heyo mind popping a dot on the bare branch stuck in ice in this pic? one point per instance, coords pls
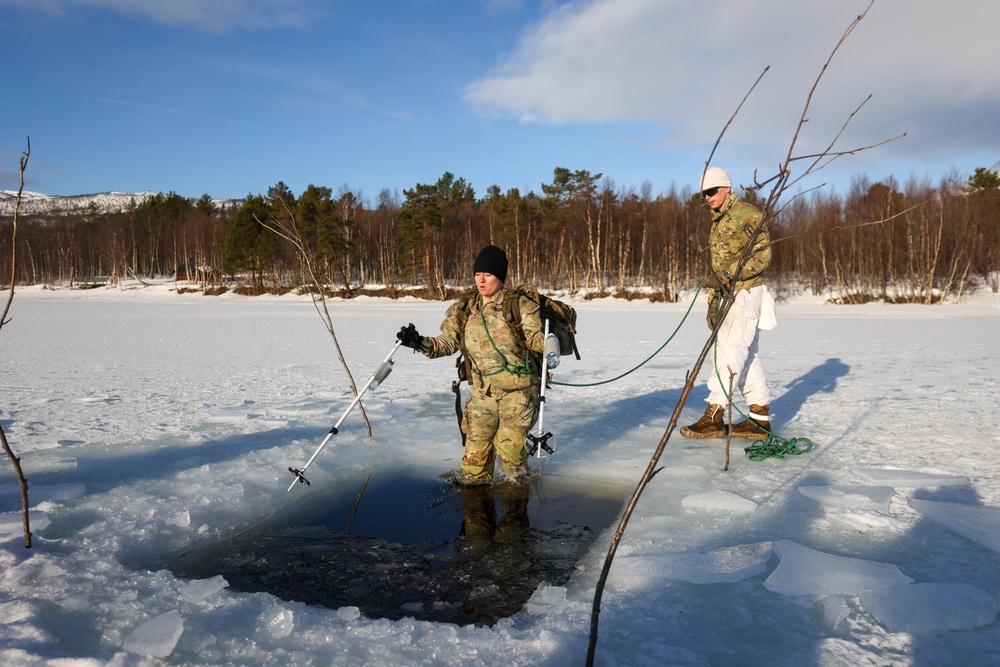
(14, 460)
(290, 232)
(781, 184)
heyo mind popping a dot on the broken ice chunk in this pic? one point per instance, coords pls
(157, 637)
(926, 608)
(201, 589)
(726, 565)
(909, 478)
(805, 571)
(978, 523)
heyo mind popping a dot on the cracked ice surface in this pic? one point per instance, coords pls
(872, 498)
(980, 524)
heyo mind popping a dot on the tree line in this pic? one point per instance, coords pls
(581, 234)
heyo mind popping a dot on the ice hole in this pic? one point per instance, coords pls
(404, 542)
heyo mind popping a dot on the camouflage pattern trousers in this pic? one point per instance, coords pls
(496, 423)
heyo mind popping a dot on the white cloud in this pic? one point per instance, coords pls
(684, 67)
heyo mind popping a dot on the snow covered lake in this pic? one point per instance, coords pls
(149, 423)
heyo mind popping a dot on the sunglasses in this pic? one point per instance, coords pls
(710, 192)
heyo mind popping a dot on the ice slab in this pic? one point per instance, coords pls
(43, 464)
(727, 565)
(870, 498)
(720, 501)
(40, 494)
(202, 589)
(348, 613)
(13, 522)
(545, 597)
(276, 622)
(909, 478)
(227, 414)
(305, 407)
(157, 637)
(926, 608)
(805, 571)
(978, 523)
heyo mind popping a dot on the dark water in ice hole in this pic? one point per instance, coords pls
(417, 546)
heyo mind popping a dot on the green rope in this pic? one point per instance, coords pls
(644, 361)
(775, 447)
(505, 365)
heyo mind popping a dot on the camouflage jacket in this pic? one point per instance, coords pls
(732, 227)
(497, 357)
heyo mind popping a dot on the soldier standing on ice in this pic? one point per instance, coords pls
(736, 351)
(502, 371)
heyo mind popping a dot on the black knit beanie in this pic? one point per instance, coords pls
(493, 260)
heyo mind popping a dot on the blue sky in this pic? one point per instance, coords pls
(228, 97)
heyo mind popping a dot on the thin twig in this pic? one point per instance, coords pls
(838, 228)
(729, 429)
(357, 501)
(729, 122)
(22, 165)
(14, 460)
(781, 185)
(805, 110)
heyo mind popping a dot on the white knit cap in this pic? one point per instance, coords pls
(715, 178)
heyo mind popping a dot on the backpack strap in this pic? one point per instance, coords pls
(463, 363)
(512, 313)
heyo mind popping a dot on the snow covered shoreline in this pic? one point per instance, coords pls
(148, 421)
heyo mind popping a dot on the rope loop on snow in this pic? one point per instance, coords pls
(644, 361)
(775, 447)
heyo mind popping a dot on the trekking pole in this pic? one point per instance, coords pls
(537, 441)
(379, 376)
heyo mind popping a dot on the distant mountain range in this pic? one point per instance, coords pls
(34, 203)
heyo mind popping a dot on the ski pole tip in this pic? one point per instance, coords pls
(299, 477)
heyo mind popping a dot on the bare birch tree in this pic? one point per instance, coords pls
(782, 180)
(14, 459)
(288, 230)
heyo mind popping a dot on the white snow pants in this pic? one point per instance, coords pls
(736, 348)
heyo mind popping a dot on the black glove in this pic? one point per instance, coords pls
(714, 302)
(409, 337)
(712, 281)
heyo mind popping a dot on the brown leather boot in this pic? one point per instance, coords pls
(711, 425)
(757, 427)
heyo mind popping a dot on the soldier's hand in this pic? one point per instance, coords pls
(714, 304)
(409, 337)
(712, 281)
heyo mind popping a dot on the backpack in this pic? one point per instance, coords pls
(562, 322)
(561, 317)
